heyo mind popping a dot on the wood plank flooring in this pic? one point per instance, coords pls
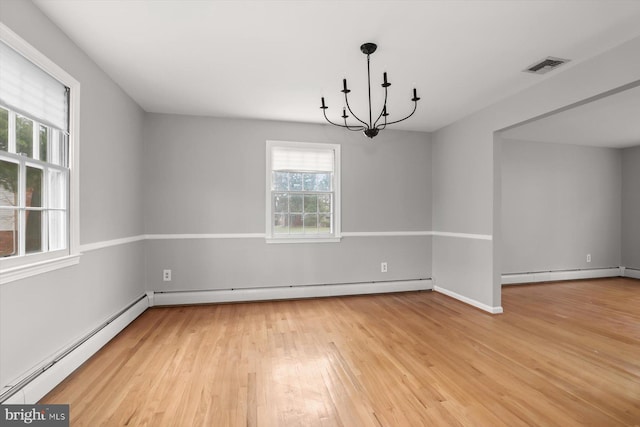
(562, 354)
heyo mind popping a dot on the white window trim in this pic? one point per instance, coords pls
(337, 233)
(11, 271)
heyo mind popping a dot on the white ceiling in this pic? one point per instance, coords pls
(275, 59)
(612, 121)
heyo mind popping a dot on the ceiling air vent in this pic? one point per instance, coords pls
(545, 65)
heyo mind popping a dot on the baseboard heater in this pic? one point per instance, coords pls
(631, 272)
(286, 292)
(38, 383)
(552, 276)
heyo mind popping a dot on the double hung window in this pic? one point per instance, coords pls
(34, 176)
(303, 192)
(35, 159)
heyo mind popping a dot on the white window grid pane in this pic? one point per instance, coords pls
(277, 215)
(5, 128)
(58, 188)
(9, 197)
(29, 216)
(57, 229)
(8, 234)
(34, 171)
(58, 150)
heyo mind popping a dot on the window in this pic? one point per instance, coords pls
(303, 192)
(38, 169)
(34, 177)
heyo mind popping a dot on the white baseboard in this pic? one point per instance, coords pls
(16, 399)
(632, 272)
(477, 304)
(552, 276)
(288, 292)
(150, 298)
(46, 381)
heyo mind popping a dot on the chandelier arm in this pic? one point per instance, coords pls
(346, 101)
(415, 106)
(342, 126)
(353, 128)
(384, 106)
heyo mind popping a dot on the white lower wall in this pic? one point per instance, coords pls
(552, 276)
(56, 370)
(43, 315)
(215, 264)
(462, 268)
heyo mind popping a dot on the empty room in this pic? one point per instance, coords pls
(319, 213)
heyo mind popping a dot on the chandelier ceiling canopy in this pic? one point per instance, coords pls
(371, 127)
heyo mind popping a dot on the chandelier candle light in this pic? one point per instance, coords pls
(371, 128)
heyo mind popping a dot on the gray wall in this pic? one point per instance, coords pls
(631, 207)
(45, 313)
(462, 203)
(467, 169)
(186, 191)
(207, 176)
(559, 203)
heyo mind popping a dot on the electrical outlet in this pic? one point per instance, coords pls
(383, 267)
(588, 257)
(166, 275)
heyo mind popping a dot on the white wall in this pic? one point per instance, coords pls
(467, 171)
(631, 207)
(41, 315)
(559, 203)
(206, 176)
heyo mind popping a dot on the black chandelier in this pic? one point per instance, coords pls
(371, 128)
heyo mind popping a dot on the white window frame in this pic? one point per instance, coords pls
(303, 238)
(12, 269)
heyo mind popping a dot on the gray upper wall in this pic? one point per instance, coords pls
(631, 207)
(559, 203)
(207, 175)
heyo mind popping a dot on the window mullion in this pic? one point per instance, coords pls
(44, 216)
(12, 132)
(35, 140)
(22, 196)
(49, 145)
(289, 209)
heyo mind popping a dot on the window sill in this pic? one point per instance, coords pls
(22, 272)
(280, 240)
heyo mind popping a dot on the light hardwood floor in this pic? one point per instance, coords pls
(562, 354)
